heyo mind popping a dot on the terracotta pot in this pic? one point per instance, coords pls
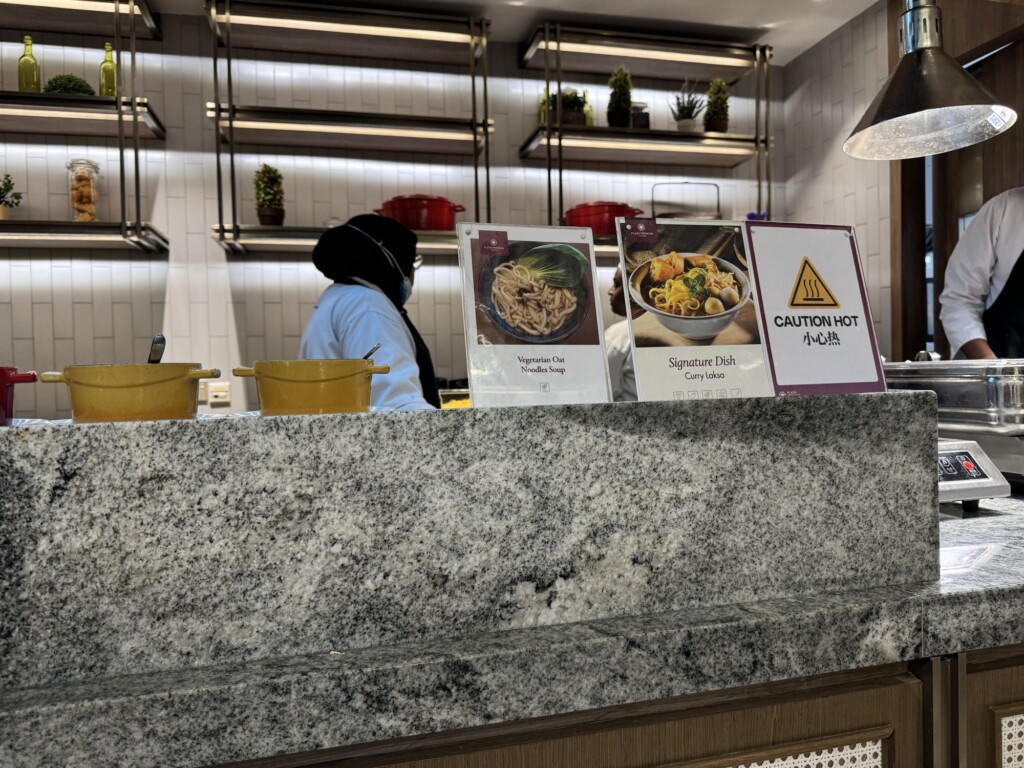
(599, 216)
(290, 387)
(271, 217)
(8, 378)
(5, 213)
(422, 212)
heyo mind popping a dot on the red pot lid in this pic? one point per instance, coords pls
(598, 204)
(418, 198)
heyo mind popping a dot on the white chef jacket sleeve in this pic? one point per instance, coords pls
(968, 278)
(400, 389)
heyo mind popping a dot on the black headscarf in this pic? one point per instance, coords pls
(354, 250)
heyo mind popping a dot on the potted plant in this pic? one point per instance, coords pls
(621, 100)
(8, 197)
(716, 113)
(575, 108)
(269, 196)
(68, 84)
(689, 104)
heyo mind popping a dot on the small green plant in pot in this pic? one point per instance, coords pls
(688, 105)
(621, 100)
(68, 84)
(716, 113)
(269, 196)
(574, 107)
(8, 197)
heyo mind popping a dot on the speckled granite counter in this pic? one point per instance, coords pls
(172, 593)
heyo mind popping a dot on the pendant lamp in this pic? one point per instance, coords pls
(929, 104)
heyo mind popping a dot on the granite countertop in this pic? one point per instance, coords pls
(228, 712)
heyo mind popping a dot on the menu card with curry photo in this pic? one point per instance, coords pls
(532, 315)
(692, 316)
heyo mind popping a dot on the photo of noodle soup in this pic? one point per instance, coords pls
(539, 297)
(694, 295)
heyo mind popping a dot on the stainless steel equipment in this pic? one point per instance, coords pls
(979, 400)
(967, 474)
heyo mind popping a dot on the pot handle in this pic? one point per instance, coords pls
(26, 377)
(52, 377)
(243, 371)
(379, 369)
(635, 211)
(456, 208)
(203, 373)
(379, 211)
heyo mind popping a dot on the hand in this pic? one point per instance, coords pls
(978, 349)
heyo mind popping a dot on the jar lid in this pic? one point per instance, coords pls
(82, 164)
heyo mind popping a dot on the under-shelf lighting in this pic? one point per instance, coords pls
(55, 237)
(92, 6)
(689, 57)
(58, 113)
(642, 146)
(332, 27)
(351, 130)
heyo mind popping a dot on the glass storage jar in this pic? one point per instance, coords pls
(83, 178)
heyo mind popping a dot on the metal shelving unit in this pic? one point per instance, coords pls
(127, 117)
(558, 49)
(313, 27)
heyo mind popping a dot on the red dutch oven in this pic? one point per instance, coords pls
(8, 378)
(422, 212)
(599, 216)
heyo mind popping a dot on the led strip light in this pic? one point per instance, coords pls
(347, 29)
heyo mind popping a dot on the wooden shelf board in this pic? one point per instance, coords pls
(73, 115)
(335, 32)
(610, 145)
(323, 129)
(36, 17)
(15, 233)
(639, 54)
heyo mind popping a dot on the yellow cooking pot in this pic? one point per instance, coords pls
(145, 392)
(289, 387)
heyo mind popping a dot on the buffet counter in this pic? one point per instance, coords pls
(197, 593)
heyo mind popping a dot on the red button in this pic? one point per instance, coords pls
(968, 466)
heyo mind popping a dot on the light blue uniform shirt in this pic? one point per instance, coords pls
(346, 322)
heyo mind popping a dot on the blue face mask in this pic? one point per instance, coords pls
(404, 291)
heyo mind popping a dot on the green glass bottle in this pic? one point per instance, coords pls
(108, 73)
(28, 69)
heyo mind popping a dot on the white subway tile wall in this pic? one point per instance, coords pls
(827, 90)
(70, 306)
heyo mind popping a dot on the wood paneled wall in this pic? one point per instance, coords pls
(971, 28)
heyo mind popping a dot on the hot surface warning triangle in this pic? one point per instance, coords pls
(810, 290)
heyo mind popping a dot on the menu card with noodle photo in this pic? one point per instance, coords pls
(691, 310)
(532, 315)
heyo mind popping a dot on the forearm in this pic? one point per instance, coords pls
(978, 349)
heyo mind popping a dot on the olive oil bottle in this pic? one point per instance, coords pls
(28, 69)
(108, 72)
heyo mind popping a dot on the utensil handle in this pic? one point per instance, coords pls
(26, 377)
(243, 371)
(52, 377)
(204, 373)
(379, 369)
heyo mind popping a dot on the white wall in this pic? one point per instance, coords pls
(827, 90)
(66, 307)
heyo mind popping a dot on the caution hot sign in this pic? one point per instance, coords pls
(810, 291)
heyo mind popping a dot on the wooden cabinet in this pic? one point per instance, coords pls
(992, 708)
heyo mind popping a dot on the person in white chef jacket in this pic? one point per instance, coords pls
(618, 348)
(983, 298)
(371, 260)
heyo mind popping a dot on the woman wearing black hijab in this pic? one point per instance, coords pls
(371, 260)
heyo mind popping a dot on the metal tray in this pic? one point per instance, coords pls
(974, 395)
